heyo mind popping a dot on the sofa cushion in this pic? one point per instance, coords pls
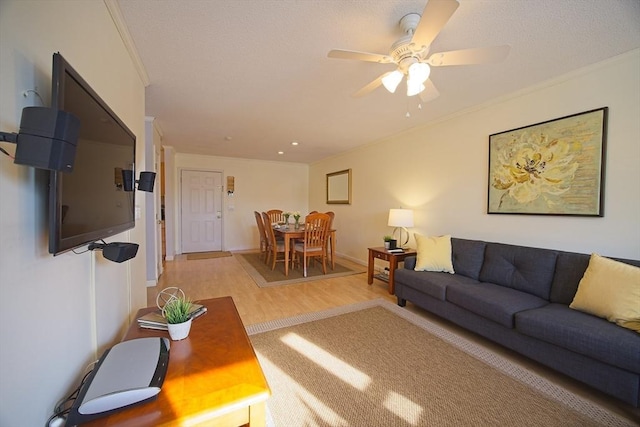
(525, 269)
(570, 268)
(611, 290)
(582, 333)
(431, 283)
(434, 253)
(410, 262)
(494, 302)
(467, 256)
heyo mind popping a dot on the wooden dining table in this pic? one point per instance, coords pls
(290, 233)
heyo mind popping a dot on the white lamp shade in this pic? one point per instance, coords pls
(419, 72)
(400, 218)
(414, 88)
(392, 80)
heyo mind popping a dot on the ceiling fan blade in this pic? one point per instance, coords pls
(360, 56)
(371, 86)
(430, 92)
(434, 17)
(482, 55)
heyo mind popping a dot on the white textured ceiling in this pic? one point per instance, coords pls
(245, 78)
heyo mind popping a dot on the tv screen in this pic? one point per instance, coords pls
(90, 203)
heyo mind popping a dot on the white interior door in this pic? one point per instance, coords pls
(201, 211)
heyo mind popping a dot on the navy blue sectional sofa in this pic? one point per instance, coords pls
(519, 297)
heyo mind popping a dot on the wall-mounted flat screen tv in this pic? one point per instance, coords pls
(90, 203)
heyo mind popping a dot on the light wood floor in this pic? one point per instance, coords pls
(218, 277)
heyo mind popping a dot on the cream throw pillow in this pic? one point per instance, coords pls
(434, 253)
(610, 289)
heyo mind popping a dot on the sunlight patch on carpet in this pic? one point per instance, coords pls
(328, 361)
(403, 407)
(314, 407)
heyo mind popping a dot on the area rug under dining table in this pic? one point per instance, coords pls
(264, 276)
(376, 364)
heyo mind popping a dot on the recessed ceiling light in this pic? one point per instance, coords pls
(280, 152)
(294, 143)
(227, 138)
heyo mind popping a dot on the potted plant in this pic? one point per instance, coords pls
(387, 241)
(177, 311)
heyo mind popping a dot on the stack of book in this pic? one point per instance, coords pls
(154, 320)
(396, 251)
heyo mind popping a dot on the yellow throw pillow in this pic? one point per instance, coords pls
(434, 253)
(610, 289)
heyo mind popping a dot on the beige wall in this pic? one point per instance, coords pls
(57, 314)
(259, 186)
(440, 171)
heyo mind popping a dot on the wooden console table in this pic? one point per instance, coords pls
(213, 377)
(385, 255)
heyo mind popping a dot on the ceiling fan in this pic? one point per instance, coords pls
(412, 56)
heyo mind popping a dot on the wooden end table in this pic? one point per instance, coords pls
(392, 258)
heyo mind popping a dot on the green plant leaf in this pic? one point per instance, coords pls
(177, 310)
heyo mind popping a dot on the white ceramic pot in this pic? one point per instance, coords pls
(179, 331)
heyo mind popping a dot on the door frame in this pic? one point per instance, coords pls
(179, 213)
(158, 210)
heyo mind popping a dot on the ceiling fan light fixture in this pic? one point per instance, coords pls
(414, 87)
(392, 80)
(412, 52)
(419, 71)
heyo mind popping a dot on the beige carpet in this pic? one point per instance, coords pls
(265, 277)
(376, 364)
(207, 255)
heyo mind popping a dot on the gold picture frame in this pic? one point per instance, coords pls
(550, 168)
(339, 187)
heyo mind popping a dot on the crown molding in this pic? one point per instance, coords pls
(121, 26)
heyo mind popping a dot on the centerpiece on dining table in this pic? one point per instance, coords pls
(296, 218)
(286, 216)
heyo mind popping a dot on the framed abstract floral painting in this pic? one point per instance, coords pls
(550, 168)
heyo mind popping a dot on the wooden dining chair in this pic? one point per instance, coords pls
(313, 245)
(264, 239)
(331, 260)
(275, 246)
(275, 216)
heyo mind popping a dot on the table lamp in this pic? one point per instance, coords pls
(401, 219)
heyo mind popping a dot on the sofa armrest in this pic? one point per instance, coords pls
(410, 262)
